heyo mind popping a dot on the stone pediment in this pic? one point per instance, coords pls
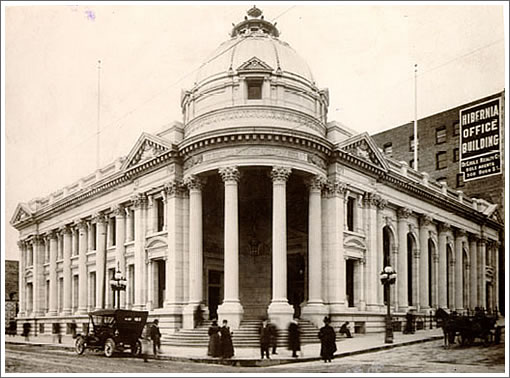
(255, 64)
(146, 148)
(21, 214)
(363, 147)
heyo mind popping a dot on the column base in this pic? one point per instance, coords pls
(66, 312)
(188, 316)
(315, 312)
(82, 311)
(52, 313)
(280, 313)
(173, 308)
(232, 312)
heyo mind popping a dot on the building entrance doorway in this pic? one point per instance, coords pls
(214, 292)
(349, 282)
(296, 281)
(161, 283)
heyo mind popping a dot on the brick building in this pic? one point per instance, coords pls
(438, 155)
(11, 289)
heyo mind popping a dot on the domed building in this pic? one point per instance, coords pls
(255, 205)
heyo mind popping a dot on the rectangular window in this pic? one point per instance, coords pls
(460, 180)
(113, 227)
(411, 163)
(47, 303)
(41, 327)
(455, 154)
(441, 135)
(132, 214)
(350, 213)
(92, 293)
(160, 206)
(131, 284)
(456, 128)
(75, 293)
(388, 149)
(441, 160)
(94, 237)
(411, 143)
(254, 89)
(60, 294)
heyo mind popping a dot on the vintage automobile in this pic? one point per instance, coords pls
(112, 331)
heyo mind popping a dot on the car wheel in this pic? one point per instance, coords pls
(79, 345)
(109, 347)
(136, 349)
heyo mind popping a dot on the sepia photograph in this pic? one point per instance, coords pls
(254, 188)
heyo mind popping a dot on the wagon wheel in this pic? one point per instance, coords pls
(79, 345)
(136, 349)
(109, 347)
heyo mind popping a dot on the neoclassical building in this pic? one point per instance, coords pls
(255, 205)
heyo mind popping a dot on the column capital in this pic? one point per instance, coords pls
(483, 240)
(460, 233)
(280, 174)
(38, 239)
(139, 200)
(229, 174)
(316, 182)
(52, 234)
(100, 218)
(174, 188)
(473, 238)
(403, 212)
(65, 229)
(118, 210)
(81, 224)
(426, 220)
(444, 226)
(21, 244)
(194, 182)
(336, 188)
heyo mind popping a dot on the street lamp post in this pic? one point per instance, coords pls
(118, 284)
(388, 277)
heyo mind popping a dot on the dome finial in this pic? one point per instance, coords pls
(254, 12)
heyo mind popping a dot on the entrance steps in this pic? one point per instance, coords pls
(246, 336)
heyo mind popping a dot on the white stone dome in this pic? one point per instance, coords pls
(254, 37)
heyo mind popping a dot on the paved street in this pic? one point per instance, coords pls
(429, 357)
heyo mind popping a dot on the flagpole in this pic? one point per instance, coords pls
(415, 117)
(98, 111)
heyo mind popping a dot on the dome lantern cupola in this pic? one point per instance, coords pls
(254, 23)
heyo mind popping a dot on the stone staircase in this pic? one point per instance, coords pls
(246, 336)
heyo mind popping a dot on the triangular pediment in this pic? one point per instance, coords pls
(255, 64)
(146, 148)
(363, 147)
(21, 214)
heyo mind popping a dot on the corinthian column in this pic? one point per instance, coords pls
(482, 267)
(314, 308)
(139, 204)
(82, 266)
(425, 222)
(444, 229)
(402, 267)
(231, 308)
(279, 310)
(120, 239)
(101, 221)
(194, 184)
(21, 277)
(66, 231)
(459, 282)
(53, 274)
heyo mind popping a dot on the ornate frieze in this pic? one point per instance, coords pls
(194, 182)
(229, 174)
(280, 174)
(317, 161)
(403, 212)
(192, 161)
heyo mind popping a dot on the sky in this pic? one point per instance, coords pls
(364, 54)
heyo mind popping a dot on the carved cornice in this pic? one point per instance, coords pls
(426, 220)
(229, 174)
(174, 188)
(280, 174)
(316, 183)
(403, 212)
(194, 182)
(139, 200)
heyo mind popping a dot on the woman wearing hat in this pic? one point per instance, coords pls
(328, 340)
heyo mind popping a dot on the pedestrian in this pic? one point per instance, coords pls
(265, 339)
(227, 348)
(328, 340)
(12, 328)
(214, 348)
(73, 329)
(155, 335)
(273, 333)
(294, 337)
(344, 330)
(409, 323)
(146, 343)
(26, 330)
(58, 334)
(199, 315)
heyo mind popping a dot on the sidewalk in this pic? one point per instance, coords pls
(251, 356)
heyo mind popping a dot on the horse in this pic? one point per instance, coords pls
(447, 323)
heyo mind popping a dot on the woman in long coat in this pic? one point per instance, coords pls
(214, 340)
(294, 338)
(328, 341)
(227, 348)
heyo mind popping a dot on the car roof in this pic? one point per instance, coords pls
(112, 312)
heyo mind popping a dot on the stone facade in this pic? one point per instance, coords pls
(255, 206)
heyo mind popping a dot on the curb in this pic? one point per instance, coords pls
(250, 362)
